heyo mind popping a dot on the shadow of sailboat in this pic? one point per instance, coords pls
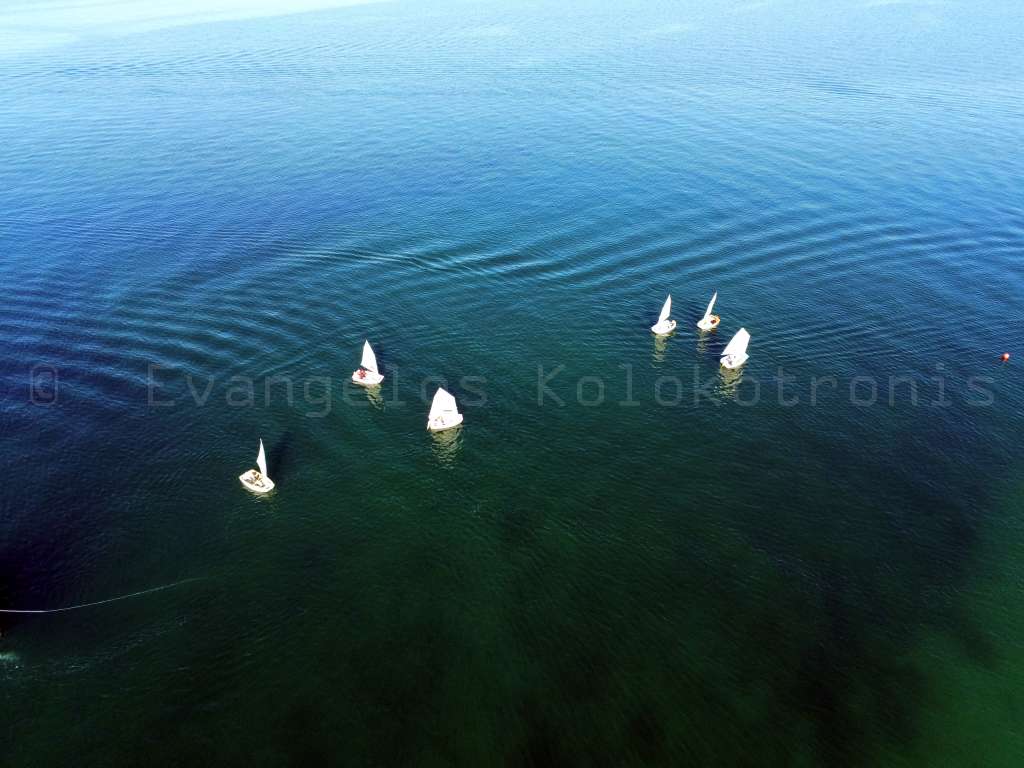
(280, 457)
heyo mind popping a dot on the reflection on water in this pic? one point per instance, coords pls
(660, 348)
(374, 397)
(10, 659)
(446, 445)
(730, 384)
(62, 23)
(264, 498)
(702, 341)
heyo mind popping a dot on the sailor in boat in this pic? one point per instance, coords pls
(366, 374)
(444, 413)
(709, 322)
(735, 353)
(256, 479)
(664, 326)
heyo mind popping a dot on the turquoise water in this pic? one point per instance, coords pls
(624, 557)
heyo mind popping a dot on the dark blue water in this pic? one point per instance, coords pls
(626, 556)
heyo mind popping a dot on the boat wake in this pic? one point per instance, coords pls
(101, 602)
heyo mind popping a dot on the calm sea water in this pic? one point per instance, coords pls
(624, 557)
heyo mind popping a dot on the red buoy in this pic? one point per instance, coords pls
(1006, 356)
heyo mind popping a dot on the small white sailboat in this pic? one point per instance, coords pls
(735, 353)
(367, 375)
(444, 413)
(257, 480)
(709, 322)
(664, 326)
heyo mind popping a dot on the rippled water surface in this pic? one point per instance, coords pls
(625, 556)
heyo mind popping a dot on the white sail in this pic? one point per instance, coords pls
(444, 403)
(369, 361)
(666, 310)
(261, 460)
(711, 305)
(738, 345)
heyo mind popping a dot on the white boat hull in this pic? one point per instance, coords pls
(732, 362)
(663, 328)
(709, 323)
(368, 379)
(255, 482)
(442, 423)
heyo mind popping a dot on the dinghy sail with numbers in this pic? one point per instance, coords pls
(664, 326)
(444, 413)
(735, 353)
(368, 375)
(709, 322)
(257, 480)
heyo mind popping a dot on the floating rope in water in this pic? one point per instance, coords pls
(103, 602)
